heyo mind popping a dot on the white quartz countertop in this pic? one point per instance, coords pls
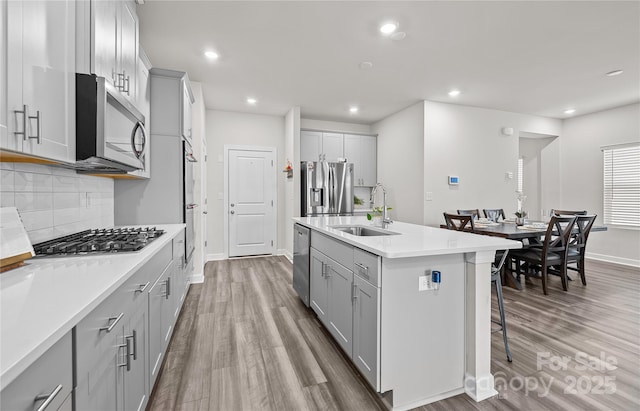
(45, 299)
(413, 240)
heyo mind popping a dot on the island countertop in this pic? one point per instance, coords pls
(41, 301)
(413, 240)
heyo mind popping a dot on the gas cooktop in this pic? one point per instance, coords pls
(107, 240)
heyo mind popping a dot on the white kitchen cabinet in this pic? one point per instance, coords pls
(321, 146)
(4, 141)
(113, 49)
(49, 376)
(172, 114)
(40, 111)
(361, 151)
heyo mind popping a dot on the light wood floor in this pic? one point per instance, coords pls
(244, 341)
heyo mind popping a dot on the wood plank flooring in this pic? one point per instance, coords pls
(244, 341)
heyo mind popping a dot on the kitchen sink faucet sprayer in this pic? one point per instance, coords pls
(385, 218)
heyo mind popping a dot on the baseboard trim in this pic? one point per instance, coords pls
(613, 259)
(215, 257)
(197, 278)
(285, 253)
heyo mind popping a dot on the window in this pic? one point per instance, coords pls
(520, 175)
(622, 185)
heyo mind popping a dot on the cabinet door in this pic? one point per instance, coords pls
(332, 146)
(366, 354)
(105, 33)
(319, 287)
(143, 103)
(310, 145)
(352, 152)
(136, 384)
(186, 111)
(340, 304)
(4, 132)
(368, 161)
(157, 323)
(48, 81)
(14, 121)
(128, 44)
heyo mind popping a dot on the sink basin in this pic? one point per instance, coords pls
(363, 231)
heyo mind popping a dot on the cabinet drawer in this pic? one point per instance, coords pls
(367, 266)
(336, 249)
(41, 379)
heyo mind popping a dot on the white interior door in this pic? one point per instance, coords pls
(251, 197)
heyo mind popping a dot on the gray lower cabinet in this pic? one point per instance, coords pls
(319, 285)
(366, 317)
(136, 393)
(340, 304)
(49, 378)
(160, 315)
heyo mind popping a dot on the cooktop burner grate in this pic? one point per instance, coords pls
(106, 240)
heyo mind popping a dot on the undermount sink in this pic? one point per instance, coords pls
(363, 231)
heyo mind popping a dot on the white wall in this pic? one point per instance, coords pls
(199, 177)
(582, 182)
(401, 162)
(225, 127)
(54, 201)
(335, 126)
(292, 185)
(468, 142)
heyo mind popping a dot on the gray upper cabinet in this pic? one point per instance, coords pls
(361, 151)
(321, 146)
(40, 79)
(171, 100)
(143, 103)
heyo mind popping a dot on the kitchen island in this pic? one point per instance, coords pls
(414, 340)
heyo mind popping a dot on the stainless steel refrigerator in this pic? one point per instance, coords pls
(326, 188)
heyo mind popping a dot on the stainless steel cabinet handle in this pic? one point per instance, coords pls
(47, 398)
(191, 206)
(127, 356)
(168, 285)
(142, 288)
(134, 341)
(354, 292)
(327, 274)
(37, 119)
(113, 324)
(363, 270)
(25, 114)
(127, 82)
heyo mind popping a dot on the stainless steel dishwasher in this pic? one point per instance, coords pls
(301, 262)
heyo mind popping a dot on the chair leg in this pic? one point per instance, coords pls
(563, 276)
(544, 279)
(581, 270)
(503, 322)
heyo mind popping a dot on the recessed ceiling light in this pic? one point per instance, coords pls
(211, 55)
(353, 109)
(454, 93)
(251, 100)
(614, 73)
(366, 65)
(570, 111)
(388, 27)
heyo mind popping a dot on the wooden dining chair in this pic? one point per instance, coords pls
(494, 214)
(569, 212)
(578, 244)
(553, 252)
(459, 222)
(475, 213)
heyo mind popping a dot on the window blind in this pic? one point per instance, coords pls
(520, 175)
(622, 185)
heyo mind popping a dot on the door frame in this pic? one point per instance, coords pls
(225, 206)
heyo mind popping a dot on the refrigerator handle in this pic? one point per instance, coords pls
(332, 192)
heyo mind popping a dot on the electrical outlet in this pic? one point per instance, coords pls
(428, 196)
(424, 283)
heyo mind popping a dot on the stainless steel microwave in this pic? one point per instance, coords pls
(110, 131)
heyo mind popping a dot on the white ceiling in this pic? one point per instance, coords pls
(522, 56)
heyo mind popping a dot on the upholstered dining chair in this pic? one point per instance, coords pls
(494, 214)
(459, 223)
(552, 252)
(475, 212)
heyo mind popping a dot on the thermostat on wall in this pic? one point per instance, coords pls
(453, 180)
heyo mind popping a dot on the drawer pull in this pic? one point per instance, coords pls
(47, 398)
(364, 270)
(113, 324)
(142, 288)
(134, 339)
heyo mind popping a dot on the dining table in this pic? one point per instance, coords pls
(530, 233)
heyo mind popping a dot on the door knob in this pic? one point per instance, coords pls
(233, 212)
(205, 212)
(232, 204)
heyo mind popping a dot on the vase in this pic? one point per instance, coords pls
(519, 220)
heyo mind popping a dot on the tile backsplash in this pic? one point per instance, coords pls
(55, 201)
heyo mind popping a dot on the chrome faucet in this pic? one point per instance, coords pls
(385, 217)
